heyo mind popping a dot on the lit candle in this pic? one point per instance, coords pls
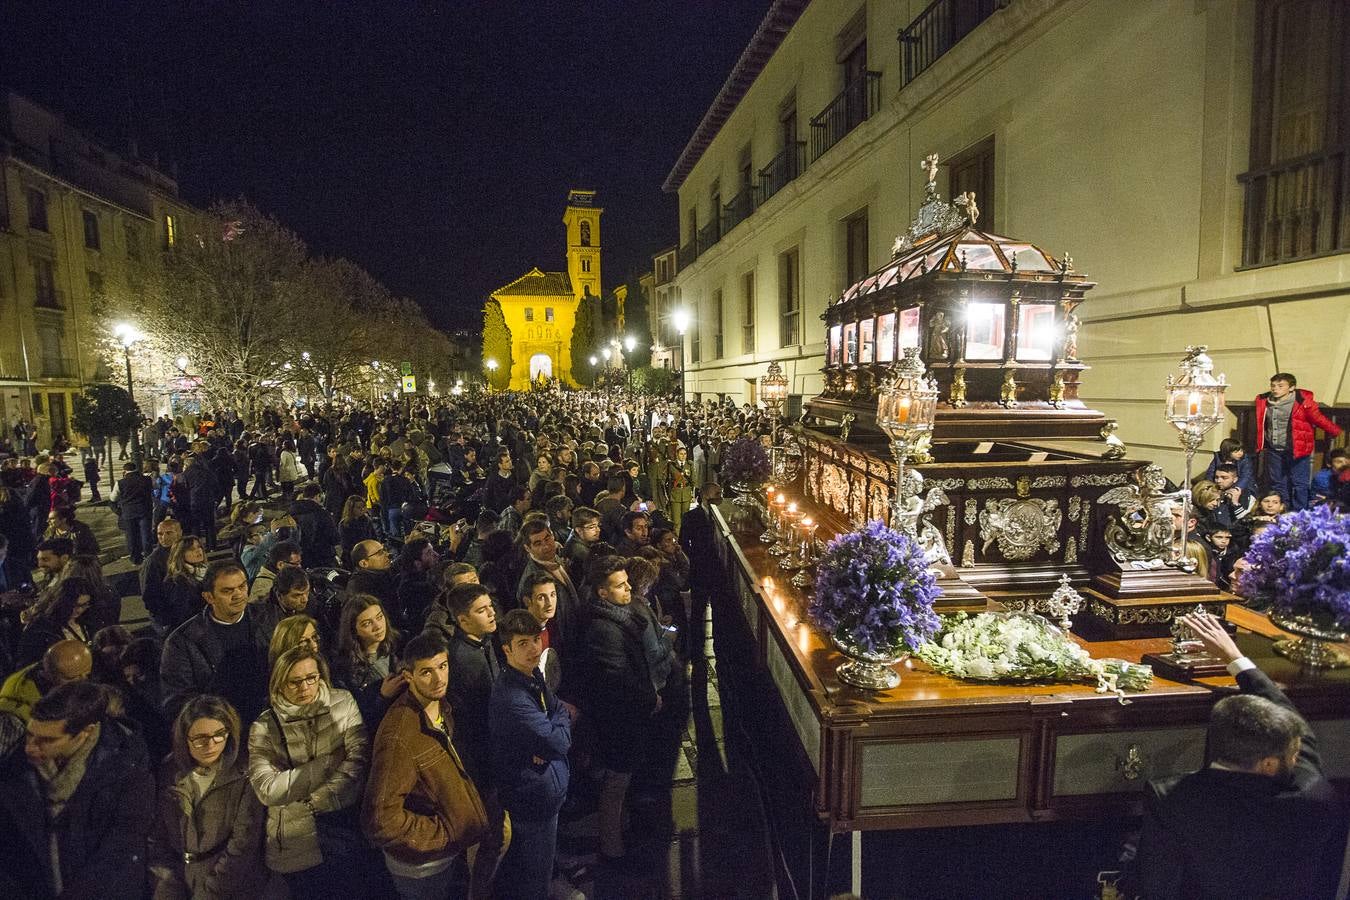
(806, 522)
(1194, 404)
(780, 499)
(902, 412)
(792, 507)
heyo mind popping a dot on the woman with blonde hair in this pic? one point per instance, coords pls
(308, 757)
(293, 631)
(206, 840)
(183, 582)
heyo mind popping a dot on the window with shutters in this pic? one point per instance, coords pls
(789, 298)
(1297, 192)
(91, 239)
(717, 326)
(44, 283)
(37, 210)
(855, 248)
(748, 313)
(973, 170)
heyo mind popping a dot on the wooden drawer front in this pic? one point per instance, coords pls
(1121, 761)
(1333, 745)
(917, 774)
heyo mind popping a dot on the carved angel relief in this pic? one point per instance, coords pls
(1021, 528)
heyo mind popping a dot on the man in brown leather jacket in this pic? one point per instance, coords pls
(421, 808)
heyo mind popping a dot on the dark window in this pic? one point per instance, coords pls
(548, 314)
(95, 284)
(44, 283)
(789, 298)
(748, 313)
(529, 314)
(133, 242)
(717, 325)
(91, 230)
(51, 341)
(4, 201)
(855, 248)
(855, 76)
(585, 234)
(1297, 201)
(37, 209)
(973, 170)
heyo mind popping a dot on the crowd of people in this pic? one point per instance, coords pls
(389, 648)
(386, 649)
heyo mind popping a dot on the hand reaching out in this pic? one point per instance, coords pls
(1209, 631)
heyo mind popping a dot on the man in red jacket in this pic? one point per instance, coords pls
(1285, 421)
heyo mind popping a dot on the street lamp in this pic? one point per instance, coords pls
(906, 408)
(680, 319)
(1195, 404)
(593, 359)
(129, 334)
(606, 354)
(629, 343)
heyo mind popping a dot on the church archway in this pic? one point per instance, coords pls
(541, 363)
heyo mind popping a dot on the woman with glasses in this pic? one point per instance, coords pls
(207, 837)
(365, 662)
(308, 756)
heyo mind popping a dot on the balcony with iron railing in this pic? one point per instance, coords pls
(708, 235)
(687, 254)
(738, 210)
(51, 299)
(57, 367)
(855, 104)
(939, 28)
(1296, 209)
(784, 167)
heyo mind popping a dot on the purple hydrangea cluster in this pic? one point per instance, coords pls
(1300, 565)
(746, 461)
(874, 589)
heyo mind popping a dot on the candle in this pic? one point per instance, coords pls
(1194, 404)
(902, 412)
(792, 507)
(806, 522)
(780, 499)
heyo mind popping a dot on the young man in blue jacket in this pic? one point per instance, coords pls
(531, 734)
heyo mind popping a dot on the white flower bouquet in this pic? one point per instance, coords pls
(1021, 647)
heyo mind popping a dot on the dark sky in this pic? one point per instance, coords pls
(432, 144)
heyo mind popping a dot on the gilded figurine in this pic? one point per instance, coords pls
(1071, 326)
(939, 348)
(1115, 447)
(957, 395)
(1007, 394)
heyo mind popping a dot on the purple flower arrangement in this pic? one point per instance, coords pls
(874, 590)
(745, 461)
(1301, 567)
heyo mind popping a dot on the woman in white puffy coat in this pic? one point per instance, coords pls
(308, 758)
(288, 470)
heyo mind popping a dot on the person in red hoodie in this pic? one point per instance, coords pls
(1286, 419)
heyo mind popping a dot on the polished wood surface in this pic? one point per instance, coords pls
(861, 746)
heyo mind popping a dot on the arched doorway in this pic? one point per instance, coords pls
(541, 364)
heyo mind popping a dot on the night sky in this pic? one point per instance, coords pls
(431, 144)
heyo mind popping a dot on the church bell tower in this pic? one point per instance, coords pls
(582, 219)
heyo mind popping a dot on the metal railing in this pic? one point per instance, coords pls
(687, 254)
(784, 167)
(708, 235)
(57, 368)
(857, 102)
(938, 29)
(738, 210)
(1296, 209)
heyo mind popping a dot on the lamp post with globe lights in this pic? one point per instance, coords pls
(680, 319)
(129, 335)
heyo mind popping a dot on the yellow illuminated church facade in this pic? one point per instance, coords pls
(540, 307)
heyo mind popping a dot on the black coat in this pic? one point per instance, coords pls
(699, 540)
(194, 663)
(153, 589)
(134, 497)
(473, 669)
(101, 831)
(1218, 834)
(318, 534)
(620, 694)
